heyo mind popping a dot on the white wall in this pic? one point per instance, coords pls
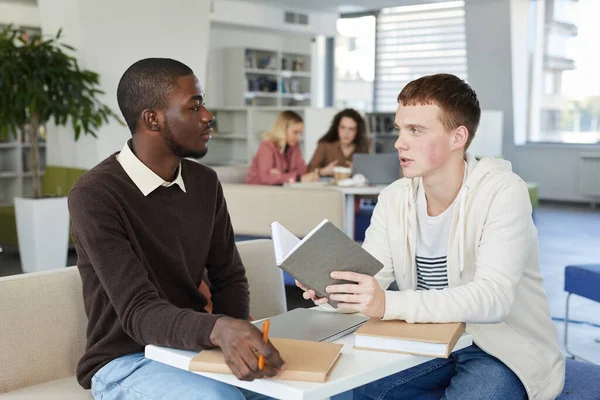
(267, 17)
(495, 32)
(109, 48)
(227, 35)
(20, 14)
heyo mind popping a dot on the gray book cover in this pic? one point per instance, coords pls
(328, 249)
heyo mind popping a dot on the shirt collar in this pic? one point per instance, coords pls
(143, 177)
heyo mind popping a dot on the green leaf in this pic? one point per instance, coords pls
(42, 77)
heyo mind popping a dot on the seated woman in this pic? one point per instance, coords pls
(346, 135)
(278, 159)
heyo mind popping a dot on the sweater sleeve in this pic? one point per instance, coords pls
(99, 232)
(265, 162)
(226, 273)
(503, 250)
(298, 165)
(317, 160)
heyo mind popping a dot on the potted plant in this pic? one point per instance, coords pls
(40, 81)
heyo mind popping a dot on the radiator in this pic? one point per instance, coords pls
(589, 174)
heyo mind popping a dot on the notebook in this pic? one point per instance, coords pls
(325, 249)
(313, 325)
(305, 360)
(435, 340)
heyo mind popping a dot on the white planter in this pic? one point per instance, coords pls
(43, 232)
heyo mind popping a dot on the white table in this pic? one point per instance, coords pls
(354, 368)
(349, 195)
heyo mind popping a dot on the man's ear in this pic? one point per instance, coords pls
(151, 120)
(461, 136)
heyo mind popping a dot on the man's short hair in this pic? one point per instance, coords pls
(146, 85)
(455, 98)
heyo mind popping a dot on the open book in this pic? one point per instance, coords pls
(436, 340)
(305, 361)
(325, 249)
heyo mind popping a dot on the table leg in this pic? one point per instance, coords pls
(349, 216)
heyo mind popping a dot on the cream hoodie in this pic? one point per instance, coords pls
(494, 279)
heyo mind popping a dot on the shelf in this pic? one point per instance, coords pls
(225, 136)
(298, 74)
(251, 95)
(28, 145)
(257, 109)
(296, 96)
(30, 174)
(258, 71)
(8, 145)
(8, 175)
(226, 163)
(227, 109)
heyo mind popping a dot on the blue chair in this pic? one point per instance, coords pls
(584, 281)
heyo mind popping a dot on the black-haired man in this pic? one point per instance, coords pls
(146, 224)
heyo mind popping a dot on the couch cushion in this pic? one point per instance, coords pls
(252, 208)
(58, 181)
(60, 389)
(581, 381)
(43, 327)
(231, 173)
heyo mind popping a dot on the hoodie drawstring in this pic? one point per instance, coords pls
(461, 228)
(406, 242)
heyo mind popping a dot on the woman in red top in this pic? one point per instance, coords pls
(278, 159)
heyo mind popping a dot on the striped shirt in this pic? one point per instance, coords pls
(433, 234)
(431, 273)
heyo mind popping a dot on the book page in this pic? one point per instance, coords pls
(283, 241)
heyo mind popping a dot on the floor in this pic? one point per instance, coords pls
(568, 234)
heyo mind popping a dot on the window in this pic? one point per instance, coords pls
(565, 91)
(417, 40)
(355, 62)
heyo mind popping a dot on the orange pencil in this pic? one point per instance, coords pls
(265, 337)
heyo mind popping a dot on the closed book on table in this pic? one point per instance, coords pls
(435, 340)
(305, 361)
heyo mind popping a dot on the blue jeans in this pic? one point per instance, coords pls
(135, 377)
(467, 374)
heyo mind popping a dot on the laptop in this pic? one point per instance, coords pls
(313, 325)
(379, 169)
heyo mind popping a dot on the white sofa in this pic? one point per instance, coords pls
(253, 207)
(44, 324)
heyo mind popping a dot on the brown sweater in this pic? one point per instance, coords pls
(142, 259)
(328, 152)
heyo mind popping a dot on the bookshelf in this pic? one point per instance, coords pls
(380, 126)
(15, 172)
(259, 78)
(238, 131)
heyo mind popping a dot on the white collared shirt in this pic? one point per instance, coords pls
(143, 177)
